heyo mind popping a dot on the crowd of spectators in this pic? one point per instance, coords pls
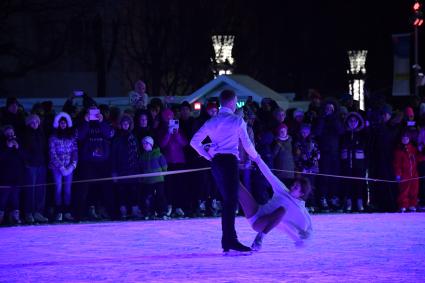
(69, 166)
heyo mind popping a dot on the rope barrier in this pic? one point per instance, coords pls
(144, 175)
(156, 174)
(351, 177)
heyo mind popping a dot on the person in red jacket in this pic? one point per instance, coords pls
(406, 157)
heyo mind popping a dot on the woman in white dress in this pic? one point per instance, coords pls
(285, 210)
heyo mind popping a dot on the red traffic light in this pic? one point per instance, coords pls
(417, 6)
(418, 22)
(417, 17)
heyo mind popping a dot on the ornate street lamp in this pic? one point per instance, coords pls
(357, 74)
(223, 61)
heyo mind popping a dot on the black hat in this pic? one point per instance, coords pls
(387, 109)
(11, 100)
(185, 103)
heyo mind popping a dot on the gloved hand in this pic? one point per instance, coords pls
(63, 171)
(68, 170)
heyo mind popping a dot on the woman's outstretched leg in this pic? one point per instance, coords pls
(247, 201)
(269, 221)
(264, 225)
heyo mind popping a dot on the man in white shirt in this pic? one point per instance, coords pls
(225, 130)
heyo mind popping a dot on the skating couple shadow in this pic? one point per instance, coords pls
(142, 258)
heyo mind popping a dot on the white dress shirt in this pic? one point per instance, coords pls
(225, 130)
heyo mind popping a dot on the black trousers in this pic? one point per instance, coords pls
(354, 189)
(93, 193)
(225, 170)
(328, 186)
(154, 198)
(176, 190)
(9, 197)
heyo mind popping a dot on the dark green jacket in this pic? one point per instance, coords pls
(151, 162)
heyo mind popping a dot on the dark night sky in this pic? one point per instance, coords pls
(290, 46)
(303, 44)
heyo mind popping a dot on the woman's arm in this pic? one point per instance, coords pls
(274, 181)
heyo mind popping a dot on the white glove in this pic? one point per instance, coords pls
(68, 171)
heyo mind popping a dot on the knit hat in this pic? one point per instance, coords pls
(166, 113)
(185, 104)
(210, 106)
(11, 100)
(280, 127)
(298, 112)
(32, 117)
(343, 110)
(305, 126)
(409, 111)
(148, 140)
(6, 127)
(387, 109)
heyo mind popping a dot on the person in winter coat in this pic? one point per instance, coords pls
(13, 168)
(306, 159)
(328, 131)
(13, 115)
(35, 149)
(410, 126)
(94, 136)
(125, 155)
(353, 160)
(141, 125)
(282, 155)
(406, 157)
(172, 143)
(63, 153)
(153, 161)
(383, 138)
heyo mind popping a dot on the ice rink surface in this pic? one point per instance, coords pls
(344, 248)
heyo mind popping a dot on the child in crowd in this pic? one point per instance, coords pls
(153, 161)
(306, 159)
(282, 154)
(406, 157)
(354, 160)
(286, 209)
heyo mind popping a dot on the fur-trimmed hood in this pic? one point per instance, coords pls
(333, 101)
(361, 124)
(60, 116)
(129, 119)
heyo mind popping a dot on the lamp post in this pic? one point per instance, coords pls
(358, 73)
(417, 21)
(223, 60)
